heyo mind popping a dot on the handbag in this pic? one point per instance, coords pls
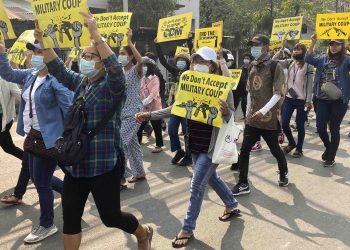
(332, 91)
(225, 151)
(73, 145)
(34, 142)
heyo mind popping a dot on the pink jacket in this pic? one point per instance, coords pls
(150, 87)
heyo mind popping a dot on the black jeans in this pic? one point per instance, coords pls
(240, 97)
(251, 135)
(157, 127)
(7, 144)
(331, 112)
(106, 192)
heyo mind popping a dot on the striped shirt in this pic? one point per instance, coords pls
(199, 137)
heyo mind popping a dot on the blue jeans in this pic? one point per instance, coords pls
(331, 112)
(205, 172)
(173, 130)
(41, 172)
(288, 108)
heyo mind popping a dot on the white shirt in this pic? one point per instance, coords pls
(29, 123)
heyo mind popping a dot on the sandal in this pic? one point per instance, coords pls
(123, 187)
(288, 149)
(233, 213)
(11, 199)
(136, 179)
(187, 238)
(147, 238)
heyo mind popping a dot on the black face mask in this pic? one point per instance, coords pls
(298, 57)
(336, 55)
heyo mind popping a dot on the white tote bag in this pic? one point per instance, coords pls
(225, 151)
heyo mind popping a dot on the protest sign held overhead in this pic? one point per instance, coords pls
(61, 23)
(275, 46)
(113, 27)
(210, 37)
(17, 53)
(198, 97)
(286, 28)
(174, 28)
(236, 75)
(307, 43)
(180, 49)
(6, 30)
(333, 26)
(220, 25)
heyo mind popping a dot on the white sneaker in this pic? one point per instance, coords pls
(39, 233)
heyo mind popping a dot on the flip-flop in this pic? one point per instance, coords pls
(136, 179)
(122, 187)
(188, 238)
(232, 214)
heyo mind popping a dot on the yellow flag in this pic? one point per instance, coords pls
(333, 26)
(113, 27)
(180, 49)
(198, 97)
(174, 28)
(307, 43)
(210, 37)
(286, 28)
(61, 23)
(17, 53)
(220, 25)
(236, 75)
(6, 30)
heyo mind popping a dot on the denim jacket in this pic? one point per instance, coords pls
(52, 100)
(342, 74)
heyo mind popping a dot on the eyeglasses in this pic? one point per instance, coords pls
(88, 56)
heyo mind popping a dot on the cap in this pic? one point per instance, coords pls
(33, 46)
(182, 55)
(340, 41)
(259, 39)
(147, 60)
(228, 56)
(206, 53)
(287, 51)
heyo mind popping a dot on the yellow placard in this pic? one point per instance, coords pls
(210, 37)
(307, 43)
(6, 30)
(180, 49)
(220, 25)
(17, 53)
(74, 53)
(236, 75)
(61, 23)
(113, 27)
(275, 46)
(286, 28)
(174, 28)
(198, 97)
(333, 26)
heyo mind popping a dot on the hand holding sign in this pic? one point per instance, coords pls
(38, 34)
(223, 107)
(91, 24)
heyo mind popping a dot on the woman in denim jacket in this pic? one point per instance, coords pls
(51, 101)
(332, 67)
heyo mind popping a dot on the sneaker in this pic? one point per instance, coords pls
(329, 163)
(186, 161)
(241, 188)
(281, 138)
(297, 153)
(257, 147)
(283, 181)
(325, 156)
(178, 156)
(157, 150)
(39, 233)
(11, 199)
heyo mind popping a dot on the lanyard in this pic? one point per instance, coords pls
(295, 73)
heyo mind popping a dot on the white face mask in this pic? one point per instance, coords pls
(123, 60)
(229, 64)
(201, 68)
(246, 61)
(38, 62)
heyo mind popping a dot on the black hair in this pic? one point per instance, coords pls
(151, 69)
(340, 56)
(129, 51)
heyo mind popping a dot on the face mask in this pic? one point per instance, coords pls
(246, 61)
(298, 57)
(123, 60)
(144, 70)
(201, 68)
(181, 65)
(229, 64)
(87, 68)
(38, 62)
(256, 52)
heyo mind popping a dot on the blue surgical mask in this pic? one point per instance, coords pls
(144, 70)
(87, 68)
(123, 60)
(38, 62)
(181, 65)
(256, 52)
(246, 61)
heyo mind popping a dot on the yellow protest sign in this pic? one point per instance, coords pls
(113, 27)
(198, 97)
(236, 75)
(174, 28)
(333, 26)
(307, 43)
(210, 37)
(286, 28)
(6, 30)
(17, 53)
(74, 53)
(61, 23)
(275, 46)
(180, 49)
(220, 25)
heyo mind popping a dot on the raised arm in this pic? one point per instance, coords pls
(135, 52)
(310, 57)
(173, 70)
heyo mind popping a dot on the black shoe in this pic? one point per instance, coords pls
(325, 155)
(234, 167)
(178, 156)
(186, 161)
(297, 153)
(283, 181)
(241, 188)
(329, 163)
